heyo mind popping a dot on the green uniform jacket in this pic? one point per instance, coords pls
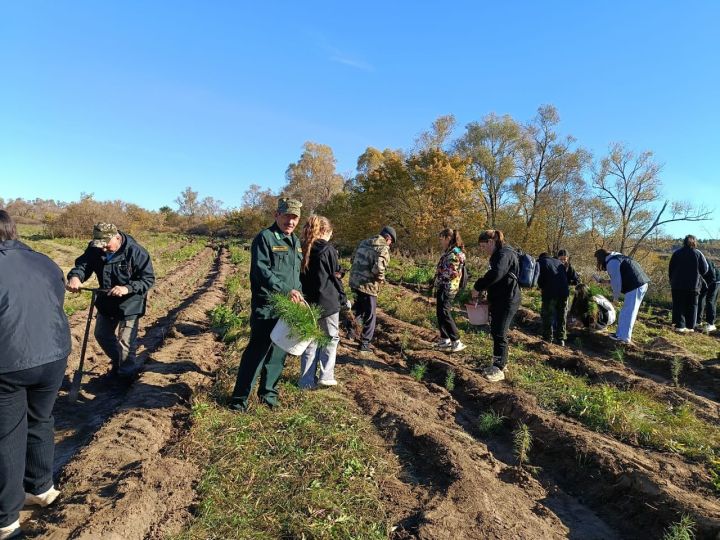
(274, 268)
(369, 263)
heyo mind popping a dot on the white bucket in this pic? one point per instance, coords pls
(281, 337)
(478, 314)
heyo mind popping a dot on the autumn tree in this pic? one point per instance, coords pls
(630, 184)
(491, 148)
(313, 179)
(549, 168)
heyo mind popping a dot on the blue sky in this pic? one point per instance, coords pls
(136, 100)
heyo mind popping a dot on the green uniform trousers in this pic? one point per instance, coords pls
(554, 317)
(261, 357)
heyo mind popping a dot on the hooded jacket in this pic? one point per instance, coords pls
(129, 266)
(33, 327)
(320, 285)
(369, 264)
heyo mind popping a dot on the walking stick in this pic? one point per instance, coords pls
(77, 378)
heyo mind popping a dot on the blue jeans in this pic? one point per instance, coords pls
(323, 356)
(27, 447)
(629, 311)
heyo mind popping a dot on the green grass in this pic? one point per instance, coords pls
(630, 415)
(306, 470)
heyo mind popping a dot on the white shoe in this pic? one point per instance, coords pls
(10, 531)
(442, 345)
(329, 382)
(457, 346)
(42, 499)
(710, 328)
(494, 374)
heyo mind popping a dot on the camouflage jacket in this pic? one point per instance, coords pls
(369, 263)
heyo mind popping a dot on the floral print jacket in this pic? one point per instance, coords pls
(449, 270)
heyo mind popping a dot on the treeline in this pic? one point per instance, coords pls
(538, 184)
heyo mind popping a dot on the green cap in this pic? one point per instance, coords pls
(102, 234)
(289, 206)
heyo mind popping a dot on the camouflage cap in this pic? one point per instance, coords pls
(289, 206)
(102, 233)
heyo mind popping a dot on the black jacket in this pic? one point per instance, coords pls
(687, 265)
(553, 280)
(129, 266)
(320, 285)
(500, 281)
(33, 326)
(572, 276)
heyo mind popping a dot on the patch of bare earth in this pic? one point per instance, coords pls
(459, 483)
(124, 483)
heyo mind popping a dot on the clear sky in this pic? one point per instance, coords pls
(138, 99)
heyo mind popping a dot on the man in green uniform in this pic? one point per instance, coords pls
(274, 268)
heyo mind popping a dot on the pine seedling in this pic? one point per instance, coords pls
(618, 354)
(676, 367)
(301, 319)
(522, 443)
(682, 530)
(418, 371)
(489, 422)
(450, 380)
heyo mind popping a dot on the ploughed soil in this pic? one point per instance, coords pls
(116, 478)
(460, 483)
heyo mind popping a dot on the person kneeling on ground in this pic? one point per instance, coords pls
(447, 283)
(370, 261)
(553, 284)
(503, 292)
(626, 277)
(34, 346)
(321, 285)
(123, 268)
(275, 258)
(594, 310)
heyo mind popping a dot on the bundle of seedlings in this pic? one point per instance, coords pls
(301, 319)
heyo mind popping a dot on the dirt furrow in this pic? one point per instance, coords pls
(102, 393)
(126, 483)
(637, 491)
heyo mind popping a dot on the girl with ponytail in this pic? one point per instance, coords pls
(448, 277)
(503, 294)
(321, 286)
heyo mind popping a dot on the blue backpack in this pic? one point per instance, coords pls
(529, 270)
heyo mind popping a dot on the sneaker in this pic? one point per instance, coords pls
(457, 346)
(494, 374)
(682, 330)
(443, 344)
(364, 349)
(43, 499)
(238, 407)
(10, 531)
(615, 337)
(329, 382)
(710, 328)
(560, 342)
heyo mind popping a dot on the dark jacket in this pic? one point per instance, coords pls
(129, 266)
(687, 265)
(573, 277)
(33, 326)
(275, 260)
(625, 273)
(320, 285)
(500, 281)
(553, 281)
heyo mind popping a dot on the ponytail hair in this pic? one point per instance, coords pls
(493, 234)
(600, 256)
(315, 227)
(454, 236)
